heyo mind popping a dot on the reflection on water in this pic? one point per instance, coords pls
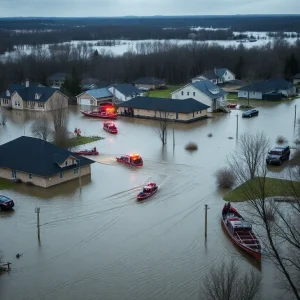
(100, 243)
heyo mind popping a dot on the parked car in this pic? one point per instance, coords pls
(6, 203)
(250, 113)
(278, 154)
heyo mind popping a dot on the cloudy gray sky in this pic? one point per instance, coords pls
(109, 8)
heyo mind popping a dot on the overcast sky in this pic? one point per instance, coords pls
(109, 8)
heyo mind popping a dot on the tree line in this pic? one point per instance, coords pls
(176, 64)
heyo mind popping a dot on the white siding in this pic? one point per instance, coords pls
(120, 96)
(190, 91)
(252, 95)
(228, 76)
(296, 81)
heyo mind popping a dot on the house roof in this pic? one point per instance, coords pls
(149, 80)
(28, 94)
(99, 93)
(165, 104)
(268, 85)
(126, 89)
(35, 156)
(220, 71)
(210, 74)
(17, 86)
(58, 76)
(297, 76)
(209, 89)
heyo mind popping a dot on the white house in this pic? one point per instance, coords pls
(124, 91)
(267, 89)
(296, 79)
(216, 76)
(203, 91)
(94, 97)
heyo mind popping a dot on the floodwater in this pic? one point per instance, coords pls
(97, 242)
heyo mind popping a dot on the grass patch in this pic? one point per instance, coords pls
(163, 93)
(5, 184)
(81, 140)
(274, 187)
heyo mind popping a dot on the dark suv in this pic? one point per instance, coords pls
(278, 154)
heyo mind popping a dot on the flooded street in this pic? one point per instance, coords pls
(97, 242)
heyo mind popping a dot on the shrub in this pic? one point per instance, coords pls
(281, 140)
(230, 137)
(191, 146)
(210, 135)
(225, 177)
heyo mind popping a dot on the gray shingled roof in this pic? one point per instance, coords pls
(58, 76)
(127, 89)
(268, 86)
(297, 76)
(209, 89)
(210, 74)
(99, 93)
(149, 80)
(220, 71)
(15, 87)
(28, 94)
(35, 156)
(164, 104)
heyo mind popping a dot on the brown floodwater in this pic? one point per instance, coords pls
(97, 242)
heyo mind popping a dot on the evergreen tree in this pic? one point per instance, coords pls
(291, 66)
(239, 67)
(71, 85)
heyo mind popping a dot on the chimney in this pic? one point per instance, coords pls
(215, 70)
(27, 83)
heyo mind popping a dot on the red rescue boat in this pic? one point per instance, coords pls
(132, 160)
(100, 114)
(240, 231)
(110, 127)
(92, 151)
(149, 190)
(231, 105)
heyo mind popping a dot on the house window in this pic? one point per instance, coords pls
(30, 176)
(76, 171)
(41, 105)
(181, 93)
(66, 163)
(188, 93)
(194, 94)
(61, 175)
(16, 103)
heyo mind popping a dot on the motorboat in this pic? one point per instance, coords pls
(240, 231)
(92, 151)
(149, 190)
(132, 159)
(100, 114)
(110, 127)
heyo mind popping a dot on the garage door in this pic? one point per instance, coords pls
(85, 101)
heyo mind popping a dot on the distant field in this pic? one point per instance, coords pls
(164, 93)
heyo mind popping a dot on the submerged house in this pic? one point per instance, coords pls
(216, 76)
(94, 97)
(40, 163)
(203, 91)
(185, 111)
(124, 91)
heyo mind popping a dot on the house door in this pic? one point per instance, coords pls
(13, 174)
(176, 116)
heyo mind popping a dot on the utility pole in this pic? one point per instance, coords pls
(37, 211)
(173, 134)
(205, 233)
(295, 114)
(237, 126)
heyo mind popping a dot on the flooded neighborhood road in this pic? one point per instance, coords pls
(97, 242)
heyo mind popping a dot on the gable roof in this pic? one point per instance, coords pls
(98, 93)
(209, 88)
(28, 94)
(164, 104)
(37, 157)
(268, 85)
(58, 76)
(18, 86)
(221, 71)
(127, 89)
(149, 80)
(297, 76)
(210, 74)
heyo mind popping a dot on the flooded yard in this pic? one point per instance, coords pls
(97, 242)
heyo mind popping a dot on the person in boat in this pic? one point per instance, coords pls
(227, 208)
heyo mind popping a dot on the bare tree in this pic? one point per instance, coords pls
(41, 129)
(225, 177)
(249, 155)
(162, 126)
(227, 282)
(59, 112)
(278, 225)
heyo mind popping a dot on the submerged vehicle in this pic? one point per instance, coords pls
(6, 203)
(240, 231)
(92, 151)
(149, 190)
(110, 127)
(133, 160)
